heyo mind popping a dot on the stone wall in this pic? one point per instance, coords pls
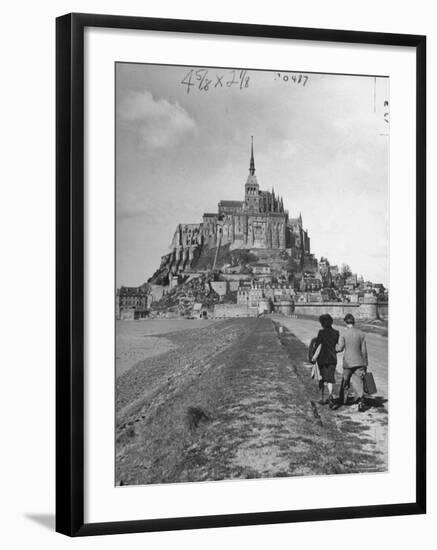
(235, 277)
(284, 306)
(337, 309)
(234, 286)
(127, 314)
(234, 310)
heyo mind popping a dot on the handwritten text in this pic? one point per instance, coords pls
(204, 80)
(292, 78)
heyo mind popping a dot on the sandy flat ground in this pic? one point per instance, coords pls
(138, 340)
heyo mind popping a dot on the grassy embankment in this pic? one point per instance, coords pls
(232, 401)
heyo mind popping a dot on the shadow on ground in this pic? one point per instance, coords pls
(46, 520)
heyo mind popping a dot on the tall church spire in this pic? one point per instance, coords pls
(252, 160)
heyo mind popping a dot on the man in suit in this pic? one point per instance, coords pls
(355, 361)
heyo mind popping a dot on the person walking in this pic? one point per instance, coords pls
(327, 338)
(355, 361)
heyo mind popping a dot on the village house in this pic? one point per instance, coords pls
(132, 302)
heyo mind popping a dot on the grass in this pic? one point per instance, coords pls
(219, 406)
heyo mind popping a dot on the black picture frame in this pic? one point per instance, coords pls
(70, 273)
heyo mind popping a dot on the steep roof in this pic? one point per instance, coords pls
(132, 290)
(252, 160)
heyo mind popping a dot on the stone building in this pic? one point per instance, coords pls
(325, 272)
(261, 269)
(351, 282)
(259, 221)
(259, 293)
(310, 282)
(132, 302)
(250, 296)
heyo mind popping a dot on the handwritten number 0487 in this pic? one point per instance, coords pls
(295, 78)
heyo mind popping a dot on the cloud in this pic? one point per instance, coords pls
(158, 123)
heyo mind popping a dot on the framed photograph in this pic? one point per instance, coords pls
(240, 274)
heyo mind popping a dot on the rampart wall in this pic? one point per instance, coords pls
(338, 309)
(234, 310)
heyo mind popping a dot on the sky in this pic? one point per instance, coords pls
(183, 144)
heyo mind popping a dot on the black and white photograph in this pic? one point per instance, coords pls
(252, 274)
(217, 292)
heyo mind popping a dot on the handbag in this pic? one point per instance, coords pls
(312, 349)
(315, 372)
(369, 383)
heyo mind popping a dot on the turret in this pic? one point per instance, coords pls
(252, 160)
(251, 189)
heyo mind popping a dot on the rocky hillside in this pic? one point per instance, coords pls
(243, 260)
(181, 299)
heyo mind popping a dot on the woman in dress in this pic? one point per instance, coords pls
(327, 338)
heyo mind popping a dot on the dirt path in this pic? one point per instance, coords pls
(364, 434)
(377, 346)
(232, 401)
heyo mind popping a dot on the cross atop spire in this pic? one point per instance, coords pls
(252, 160)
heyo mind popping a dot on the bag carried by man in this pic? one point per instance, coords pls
(369, 383)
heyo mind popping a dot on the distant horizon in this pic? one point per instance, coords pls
(323, 146)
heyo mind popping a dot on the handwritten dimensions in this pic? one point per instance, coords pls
(205, 79)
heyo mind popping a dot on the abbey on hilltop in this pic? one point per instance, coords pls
(259, 221)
